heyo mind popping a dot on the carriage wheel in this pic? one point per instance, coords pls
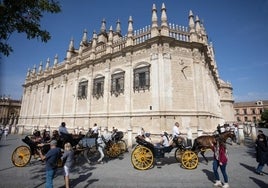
(189, 160)
(92, 155)
(123, 146)
(21, 156)
(113, 150)
(142, 158)
(178, 154)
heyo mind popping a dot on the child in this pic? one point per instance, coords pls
(68, 160)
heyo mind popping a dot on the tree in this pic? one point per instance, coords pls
(23, 16)
(264, 116)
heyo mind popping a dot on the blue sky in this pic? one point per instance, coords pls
(238, 30)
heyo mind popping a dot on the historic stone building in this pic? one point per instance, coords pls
(9, 111)
(250, 112)
(150, 77)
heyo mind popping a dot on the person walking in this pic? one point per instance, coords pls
(6, 131)
(220, 160)
(261, 152)
(51, 158)
(68, 160)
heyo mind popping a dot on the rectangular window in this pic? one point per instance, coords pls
(117, 83)
(82, 90)
(245, 111)
(142, 78)
(98, 87)
(253, 111)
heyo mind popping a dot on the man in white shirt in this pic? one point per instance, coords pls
(176, 131)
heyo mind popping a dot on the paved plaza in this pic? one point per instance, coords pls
(119, 173)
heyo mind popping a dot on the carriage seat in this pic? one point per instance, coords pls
(140, 140)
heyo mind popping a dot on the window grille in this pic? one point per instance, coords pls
(141, 78)
(82, 90)
(98, 87)
(117, 83)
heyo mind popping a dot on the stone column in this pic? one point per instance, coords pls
(241, 136)
(199, 132)
(253, 131)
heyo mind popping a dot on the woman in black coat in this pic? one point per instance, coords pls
(261, 153)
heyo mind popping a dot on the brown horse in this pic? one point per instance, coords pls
(204, 142)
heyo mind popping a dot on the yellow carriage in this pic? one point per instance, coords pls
(145, 154)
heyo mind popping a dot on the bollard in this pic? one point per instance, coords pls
(199, 132)
(253, 132)
(21, 129)
(189, 136)
(13, 129)
(241, 137)
(129, 138)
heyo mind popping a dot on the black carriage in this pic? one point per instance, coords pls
(145, 154)
(81, 144)
(22, 155)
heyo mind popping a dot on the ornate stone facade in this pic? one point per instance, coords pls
(9, 111)
(151, 78)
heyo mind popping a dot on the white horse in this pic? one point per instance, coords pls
(101, 143)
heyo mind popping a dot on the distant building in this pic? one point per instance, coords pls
(150, 78)
(246, 112)
(9, 111)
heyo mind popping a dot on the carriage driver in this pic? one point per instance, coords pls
(176, 132)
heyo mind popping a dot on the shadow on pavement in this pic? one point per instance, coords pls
(82, 178)
(209, 174)
(250, 168)
(260, 183)
(5, 145)
(7, 168)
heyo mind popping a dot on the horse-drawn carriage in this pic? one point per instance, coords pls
(113, 146)
(81, 144)
(145, 154)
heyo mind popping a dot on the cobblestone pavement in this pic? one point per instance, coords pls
(119, 173)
